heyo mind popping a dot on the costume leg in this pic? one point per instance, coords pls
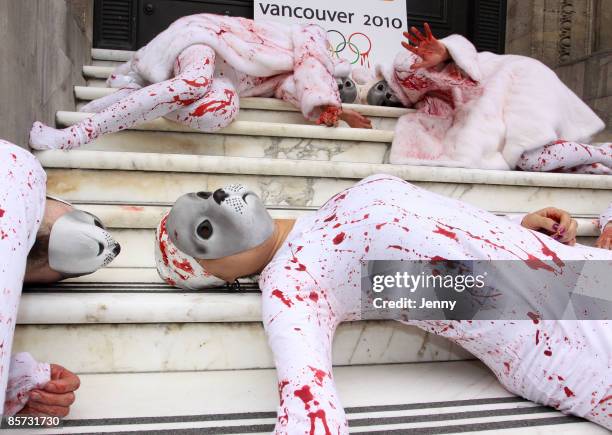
(195, 67)
(566, 156)
(218, 108)
(300, 333)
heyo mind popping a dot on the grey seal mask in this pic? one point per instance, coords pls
(209, 225)
(79, 243)
(347, 89)
(382, 95)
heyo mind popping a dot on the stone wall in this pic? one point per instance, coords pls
(43, 46)
(574, 38)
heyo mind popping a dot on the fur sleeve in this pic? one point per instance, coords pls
(313, 71)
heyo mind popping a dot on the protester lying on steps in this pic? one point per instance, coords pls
(310, 279)
(195, 72)
(483, 110)
(42, 240)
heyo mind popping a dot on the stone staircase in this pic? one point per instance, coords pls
(156, 359)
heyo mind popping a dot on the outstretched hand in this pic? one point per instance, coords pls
(554, 222)
(427, 47)
(355, 119)
(55, 398)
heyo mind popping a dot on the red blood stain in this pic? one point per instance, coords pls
(214, 105)
(300, 268)
(184, 266)
(162, 244)
(550, 253)
(339, 238)
(204, 84)
(1, 213)
(379, 226)
(568, 392)
(313, 419)
(446, 233)
(548, 352)
(304, 394)
(337, 225)
(279, 294)
(605, 399)
(537, 337)
(560, 378)
(313, 296)
(437, 258)
(507, 366)
(535, 317)
(330, 218)
(319, 375)
(171, 282)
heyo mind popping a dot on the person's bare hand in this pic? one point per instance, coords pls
(605, 238)
(427, 47)
(56, 397)
(355, 119)
(554, 222)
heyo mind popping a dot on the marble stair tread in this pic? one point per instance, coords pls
(126, 161)
(172, 306)
(440, 397)
(87, 93)
(114, 55)
(254, 128)
(143, 217)
(118, 348)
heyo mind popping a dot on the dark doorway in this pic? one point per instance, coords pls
(130, 24)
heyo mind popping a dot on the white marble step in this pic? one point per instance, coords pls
(87, 93)
(112, 55)
(116, 348)
(150, 179)
(254, 128)
(443, 397)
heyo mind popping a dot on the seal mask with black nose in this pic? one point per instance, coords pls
(381, 94)
(80, 244)
(347, 89)
(214, 225)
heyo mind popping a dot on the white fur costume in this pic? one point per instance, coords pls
(197, 69)
(484, 110)
(314, 283)
(22, 206)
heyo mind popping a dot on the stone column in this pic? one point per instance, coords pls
(44, 45)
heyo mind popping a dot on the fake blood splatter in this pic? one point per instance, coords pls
(319, 375)
(535, 317)
(446, 233)
(330, 218)
(568, 392)
(1, 213)
(215, 105)
(279, 294)
(184, 266)
(305, 395)
(339, 238)
(313, 420)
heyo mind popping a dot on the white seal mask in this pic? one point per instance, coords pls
(209, 225)
(79, 244)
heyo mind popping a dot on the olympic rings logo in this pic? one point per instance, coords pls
(358, 43)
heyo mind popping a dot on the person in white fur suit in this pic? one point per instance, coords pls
(487, 111)
(195, 71)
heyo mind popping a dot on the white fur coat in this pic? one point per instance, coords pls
(482, 110)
